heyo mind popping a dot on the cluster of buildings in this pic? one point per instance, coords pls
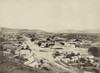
(60, 43)
(30, 58)
(76, 59)
(73, 52)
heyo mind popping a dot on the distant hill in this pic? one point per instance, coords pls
(77, 31)
(10, 30)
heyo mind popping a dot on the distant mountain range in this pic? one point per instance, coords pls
(10, 30)
(77, 31)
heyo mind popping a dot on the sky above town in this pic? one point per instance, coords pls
(50, 15)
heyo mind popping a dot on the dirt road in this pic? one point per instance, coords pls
(46, 55)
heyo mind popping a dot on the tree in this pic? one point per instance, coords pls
(13, 52)
(32, 39)
(39, 44)
(95, 51)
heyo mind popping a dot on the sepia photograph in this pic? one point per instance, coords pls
(49, 36)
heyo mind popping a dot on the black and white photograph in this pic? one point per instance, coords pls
(49, 36)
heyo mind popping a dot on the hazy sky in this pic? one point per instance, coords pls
(50, 15)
